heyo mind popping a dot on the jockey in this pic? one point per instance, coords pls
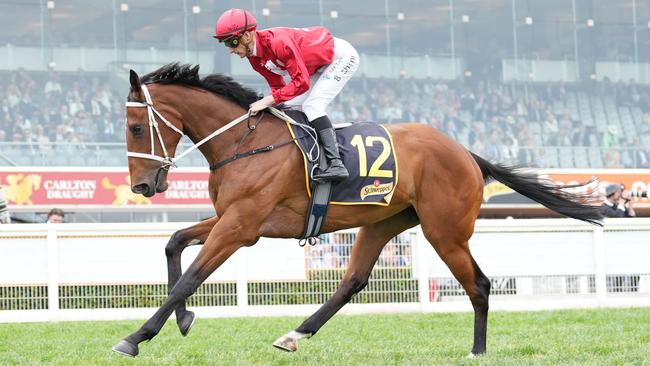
(318, 65)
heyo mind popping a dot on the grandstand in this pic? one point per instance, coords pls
(49, 117)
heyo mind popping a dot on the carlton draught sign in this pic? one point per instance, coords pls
(97, 187)
(111, 187)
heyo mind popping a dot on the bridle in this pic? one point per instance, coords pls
(167, 161)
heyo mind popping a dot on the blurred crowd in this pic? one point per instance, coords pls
(333, 251)
(505, 122)
(40, 108)
(502, 122)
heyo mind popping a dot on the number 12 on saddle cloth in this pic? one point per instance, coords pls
(368, 154)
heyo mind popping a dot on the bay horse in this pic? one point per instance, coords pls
(440, 187)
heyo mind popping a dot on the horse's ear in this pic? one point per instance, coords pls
(135, 81)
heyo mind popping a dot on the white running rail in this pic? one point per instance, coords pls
(118, 271)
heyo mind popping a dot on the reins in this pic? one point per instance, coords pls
(169, 163)
(238, 155)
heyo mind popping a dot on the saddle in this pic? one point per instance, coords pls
(368, 154)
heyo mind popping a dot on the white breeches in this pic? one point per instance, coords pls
(328, 82)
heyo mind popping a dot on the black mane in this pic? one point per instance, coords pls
(218, 84)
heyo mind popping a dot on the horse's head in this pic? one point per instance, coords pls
(153, 130)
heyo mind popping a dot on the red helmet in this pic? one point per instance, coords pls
(233, 23)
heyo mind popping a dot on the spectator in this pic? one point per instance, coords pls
(5, 218)
(55, 216)
(106, 128)
(610, 137)
(550, 125)
(53, 86)
(492, 149)
(616, 203)
(612, 159)
(322, 256)
(478, 147)
(510, 150)
(582, 137)
(636, 156)
(342, 245)
(391, 257)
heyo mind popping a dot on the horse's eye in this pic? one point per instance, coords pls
(137, 129)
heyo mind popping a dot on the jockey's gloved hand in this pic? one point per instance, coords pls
(262, 104)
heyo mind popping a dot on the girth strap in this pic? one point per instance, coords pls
(264, 149)
(317, 209)
(321, 193)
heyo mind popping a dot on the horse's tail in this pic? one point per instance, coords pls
(578, 206)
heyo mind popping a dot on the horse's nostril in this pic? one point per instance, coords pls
(140, 188)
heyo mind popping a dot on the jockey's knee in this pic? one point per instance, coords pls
(313, 110)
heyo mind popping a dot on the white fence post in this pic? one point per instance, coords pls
(421, 244)
(599, 261)
(52, 274)
(242, 281)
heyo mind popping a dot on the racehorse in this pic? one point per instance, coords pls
(440, 187)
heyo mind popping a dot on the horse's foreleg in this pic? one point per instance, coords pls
(367, 247)
(224, 239)
(193, 235)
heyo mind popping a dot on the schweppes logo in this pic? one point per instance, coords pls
(376, 189)
(495, 189)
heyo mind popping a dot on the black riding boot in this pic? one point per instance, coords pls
(336, 170)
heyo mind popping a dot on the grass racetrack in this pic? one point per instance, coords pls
(576, 337)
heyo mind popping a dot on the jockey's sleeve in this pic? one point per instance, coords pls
(286, 50)
(275, 81)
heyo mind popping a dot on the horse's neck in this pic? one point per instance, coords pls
(220, 113)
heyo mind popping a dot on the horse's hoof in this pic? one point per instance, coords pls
(289, 341)
(286, 344)
(126, 348)
(475, 355)
(186, 323)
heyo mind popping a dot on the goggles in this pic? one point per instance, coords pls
(232, 42)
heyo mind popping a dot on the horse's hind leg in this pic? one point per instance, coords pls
(193, 235)
(448, 210)
(367, 247)
(476, 284)
(450, 240)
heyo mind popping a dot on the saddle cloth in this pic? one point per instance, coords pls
(367, 152)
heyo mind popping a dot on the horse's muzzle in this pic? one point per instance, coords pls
(144, 189)
(148, 188)
(161, 180)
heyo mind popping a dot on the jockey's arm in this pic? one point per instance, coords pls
(287, 51)
(274, 80)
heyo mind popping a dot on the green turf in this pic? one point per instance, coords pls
(580, 337)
